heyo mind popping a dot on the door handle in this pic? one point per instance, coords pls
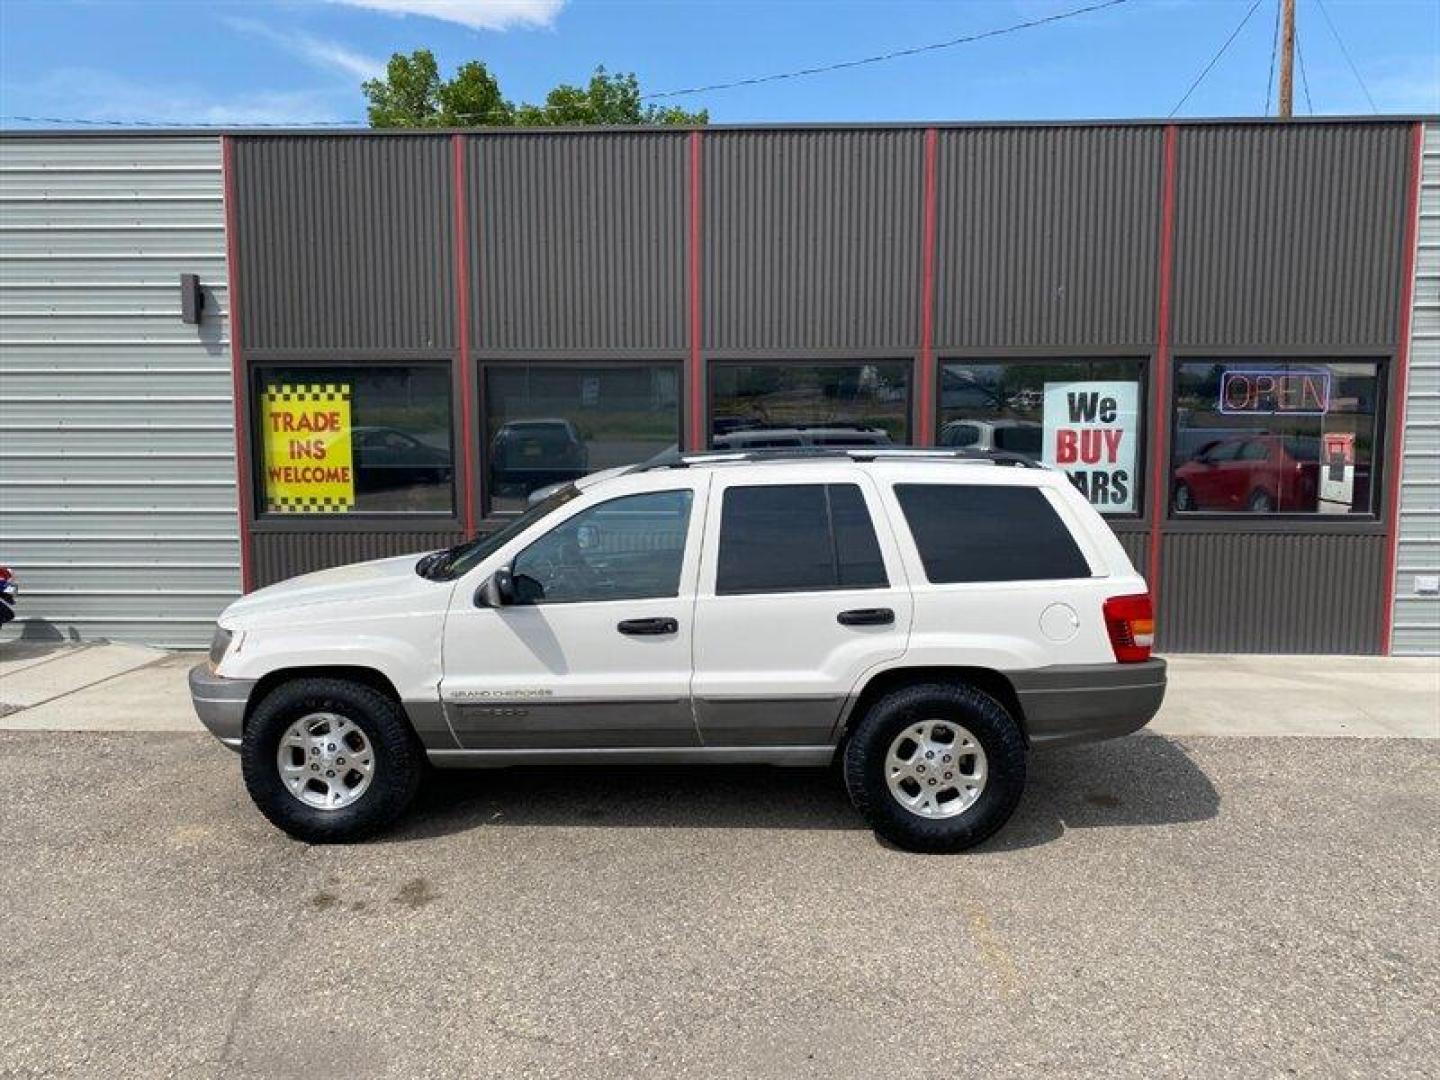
(870, 616)
(648, 626)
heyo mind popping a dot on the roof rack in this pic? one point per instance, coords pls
(676, 459)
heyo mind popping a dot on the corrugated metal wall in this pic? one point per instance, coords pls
(1047, 237)
(118, 484)
(1417, 618)
(578, 242)
(117, 470)
(1286, 237)
(1287, 242)
(284, 554)
(812, 240)
(345, 251)
(345, 243)
(1271, 593)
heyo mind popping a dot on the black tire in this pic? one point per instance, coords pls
(1184, 498)
(399, 760)
(1260, 502)
(883, 722)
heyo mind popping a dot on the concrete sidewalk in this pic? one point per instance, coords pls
(104, 687)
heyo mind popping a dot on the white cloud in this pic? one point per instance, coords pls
(320, 52)
(87, 94)
(476, 14)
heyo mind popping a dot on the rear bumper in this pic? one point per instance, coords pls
(220, 703)
(1076, 703)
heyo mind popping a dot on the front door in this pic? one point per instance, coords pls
(598, 653)
(802, 592)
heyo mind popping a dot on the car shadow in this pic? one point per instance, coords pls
(1141, 780)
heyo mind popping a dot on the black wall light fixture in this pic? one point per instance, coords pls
(192, 299)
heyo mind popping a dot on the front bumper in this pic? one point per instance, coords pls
(220, 703)
(1076, 703)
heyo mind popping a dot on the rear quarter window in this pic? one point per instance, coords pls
(968, 533)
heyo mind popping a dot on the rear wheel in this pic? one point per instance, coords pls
(1184, 498)
(330, 761)
(1261, 502)
(936, 767)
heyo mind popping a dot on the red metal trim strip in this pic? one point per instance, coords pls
(925, 422)
(243, 495)
(696, 369)
(1400, 380)
(1160, 372)
(462, 310)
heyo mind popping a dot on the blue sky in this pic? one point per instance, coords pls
(290, 61)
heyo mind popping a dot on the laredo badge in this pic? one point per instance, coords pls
(308, 467)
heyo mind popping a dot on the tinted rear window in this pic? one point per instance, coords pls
(797, 538)
(988, 534)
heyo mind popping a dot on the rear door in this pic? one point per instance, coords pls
(801, 592)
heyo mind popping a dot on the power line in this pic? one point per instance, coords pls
(1346, 53)
(1216, 58)
(756, 80)
(882, 57)
(1274, 42)
(1304, 78)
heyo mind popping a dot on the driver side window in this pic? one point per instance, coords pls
(630, 548)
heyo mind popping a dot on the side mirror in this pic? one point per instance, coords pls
(498, 590)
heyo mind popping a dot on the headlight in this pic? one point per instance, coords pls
(219, 645)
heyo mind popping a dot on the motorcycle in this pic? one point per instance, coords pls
(9, 589)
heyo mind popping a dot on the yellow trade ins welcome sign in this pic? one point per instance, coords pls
(308, 467)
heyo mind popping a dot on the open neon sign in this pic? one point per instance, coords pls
(1287, 393)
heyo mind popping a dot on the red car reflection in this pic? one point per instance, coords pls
(1259, 473)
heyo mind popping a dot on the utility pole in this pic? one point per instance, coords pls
(1287, 58)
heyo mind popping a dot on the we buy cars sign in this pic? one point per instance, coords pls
(1091, 432)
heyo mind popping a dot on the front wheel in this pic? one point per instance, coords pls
(330, 761)
(936, 767)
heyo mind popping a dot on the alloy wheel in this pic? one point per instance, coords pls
(325, 761)
(936, 769)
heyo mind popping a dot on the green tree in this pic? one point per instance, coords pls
(606, 99)
(472, 99)
(412, 94)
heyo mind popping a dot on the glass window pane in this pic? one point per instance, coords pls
(630, 548)
(1081, 416)
(549, 423)
(857, 552)
(797, 538)
(754, 406)
(973, 533)
(775, 539)
(355, 439)
(1274, 437)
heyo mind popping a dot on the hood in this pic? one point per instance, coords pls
(379, 579)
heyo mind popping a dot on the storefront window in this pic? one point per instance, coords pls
(340, 440)
(549, 423)
(1267, 437)
(759, 406)
(1081, 416)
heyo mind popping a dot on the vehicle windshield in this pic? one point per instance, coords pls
(449, 564)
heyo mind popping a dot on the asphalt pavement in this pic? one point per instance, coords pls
(1159, 906)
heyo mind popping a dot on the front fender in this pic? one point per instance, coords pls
(403, 648)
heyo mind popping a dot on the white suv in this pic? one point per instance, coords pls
(924, 617)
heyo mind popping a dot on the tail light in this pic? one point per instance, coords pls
(1131, 623)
